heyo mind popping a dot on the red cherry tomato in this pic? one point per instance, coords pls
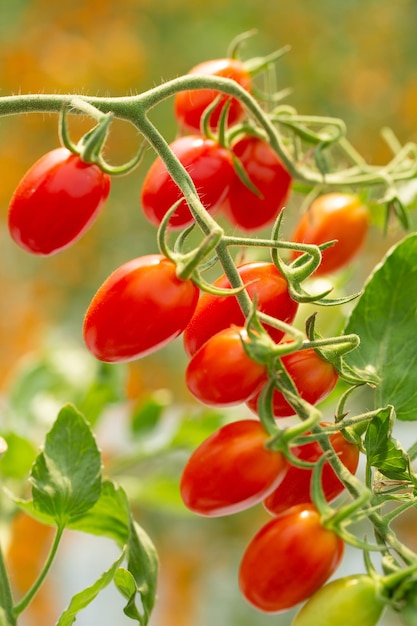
(210, 167)
(296, 486)
(220, 373)
(138, 309)
(231, 471)
(289, 558)
(214, 313)
(190, 105)
(313, 377)
(56, 201)
(340, 216)
(242, 206)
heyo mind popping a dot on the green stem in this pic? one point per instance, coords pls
(132, 108)
(401, 508)
(412, 451)
(24, 602)
(356, 489)
(6, 598)
(178, 173)
(233, 276)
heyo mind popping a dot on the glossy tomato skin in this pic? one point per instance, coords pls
(208, 164)
(340, 216)
(138, 309)
(56, 201)
(190, 105)
(231, 470)
(245, 209)
(295, 488)
(350, 601)
(220, 373)
(313, 377)
(289, 558)
(214, 313)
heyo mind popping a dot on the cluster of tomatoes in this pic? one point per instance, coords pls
(233, 470)
(143, 305)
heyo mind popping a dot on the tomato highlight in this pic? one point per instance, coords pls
(56, 202)
(140, 307)
(210, 168)
(334, 216)
(231, 470)
(288, 560)
(220, 373)
(246, 209)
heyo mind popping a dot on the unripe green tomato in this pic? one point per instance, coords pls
(348, 601)
(409, 612)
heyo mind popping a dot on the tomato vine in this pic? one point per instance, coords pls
(248, 154)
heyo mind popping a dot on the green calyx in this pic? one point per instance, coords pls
(90, 146)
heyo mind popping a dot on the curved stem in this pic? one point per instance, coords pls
(24, 602)
(6, 598)
(178, 173)
(133, 109)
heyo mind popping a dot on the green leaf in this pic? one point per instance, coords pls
(382, 450)
(126, 584)
(143, 565)
(18, 457)
(85, 597)
(108, 517)
(148, 413)
(385, 320)
(66, 475)
(111, 516)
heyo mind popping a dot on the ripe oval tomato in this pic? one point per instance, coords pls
(340, 216)
(313, 377)
(349, 601)
(214, 313)
(138, 309)
(210, 167)
(190, 105)
(221, 373)
(242, 206)
(231, 470)
(56, 201)
(288, 560)
(296, 485)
